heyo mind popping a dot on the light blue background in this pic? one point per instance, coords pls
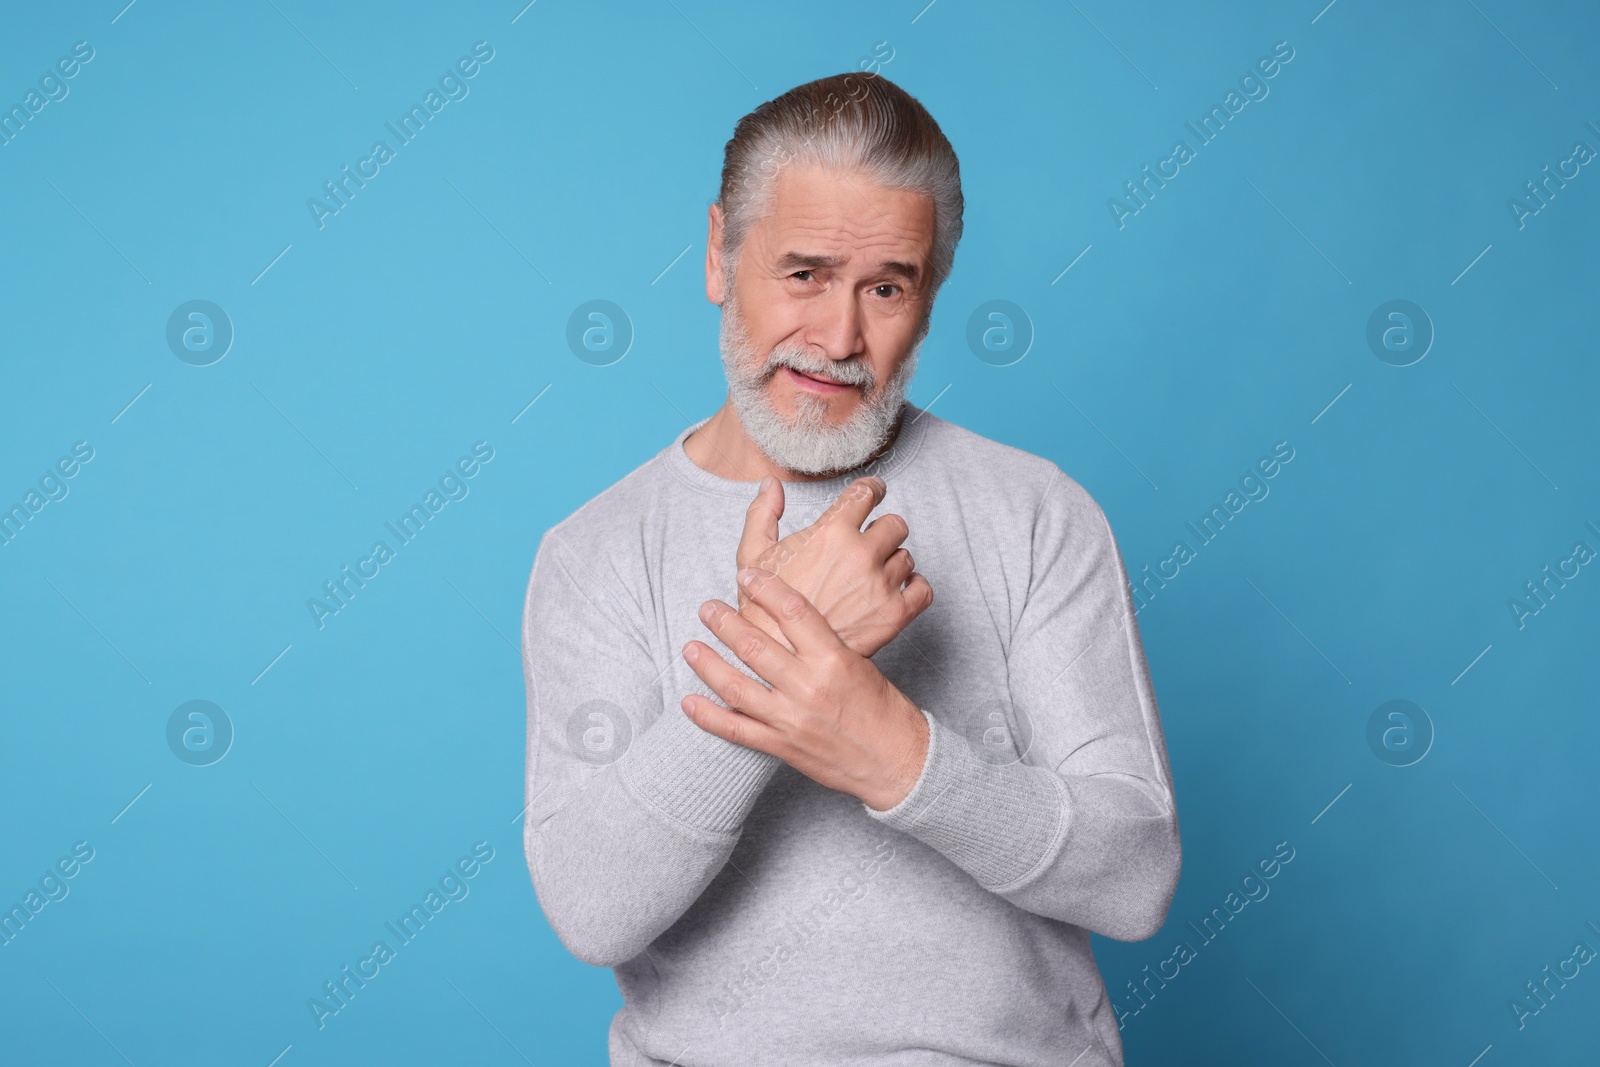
(1224, 317)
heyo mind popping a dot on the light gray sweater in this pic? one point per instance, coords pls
(753, 916)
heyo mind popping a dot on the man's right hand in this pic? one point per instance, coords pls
(854, 577)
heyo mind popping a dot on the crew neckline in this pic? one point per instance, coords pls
(913, 428)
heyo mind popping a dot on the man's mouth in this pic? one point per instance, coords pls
(816, 382)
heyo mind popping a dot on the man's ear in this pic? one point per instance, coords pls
(715, 277)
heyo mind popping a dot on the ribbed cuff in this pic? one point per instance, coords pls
(1001, 824)
(694, 776)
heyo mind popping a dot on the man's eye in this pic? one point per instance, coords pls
(886, 285)
(797, 274)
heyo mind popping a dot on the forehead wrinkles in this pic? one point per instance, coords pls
(862, 242)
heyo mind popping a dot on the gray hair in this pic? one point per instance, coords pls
(859, 122)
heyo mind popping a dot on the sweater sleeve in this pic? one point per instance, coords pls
(630, 812)
(1082, 826)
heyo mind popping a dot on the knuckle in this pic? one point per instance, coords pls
(751, 646)
(793, 606)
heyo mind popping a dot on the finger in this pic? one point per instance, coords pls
(855, 503)
(730, 725)
(898, 568)
(909, 602)
(738, 690)
(917, 595)
(885, 534)
(760, 523)
(757, 648)
(808, 632)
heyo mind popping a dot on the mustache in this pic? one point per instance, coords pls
(853, 371)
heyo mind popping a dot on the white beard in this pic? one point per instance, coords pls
(808, 445)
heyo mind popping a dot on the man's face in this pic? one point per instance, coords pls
(832, 285)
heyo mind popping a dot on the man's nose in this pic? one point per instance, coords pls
(837, 326)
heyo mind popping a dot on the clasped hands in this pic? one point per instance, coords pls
(814, 607)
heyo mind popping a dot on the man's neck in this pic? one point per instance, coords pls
(722, 447)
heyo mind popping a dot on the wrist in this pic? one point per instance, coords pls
(907, 755)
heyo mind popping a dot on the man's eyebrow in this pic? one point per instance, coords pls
(812, 261)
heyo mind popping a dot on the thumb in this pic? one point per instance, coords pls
(761, 521)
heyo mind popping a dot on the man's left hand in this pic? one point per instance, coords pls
(829, 713)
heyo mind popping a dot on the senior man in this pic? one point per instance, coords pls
(820, 815)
